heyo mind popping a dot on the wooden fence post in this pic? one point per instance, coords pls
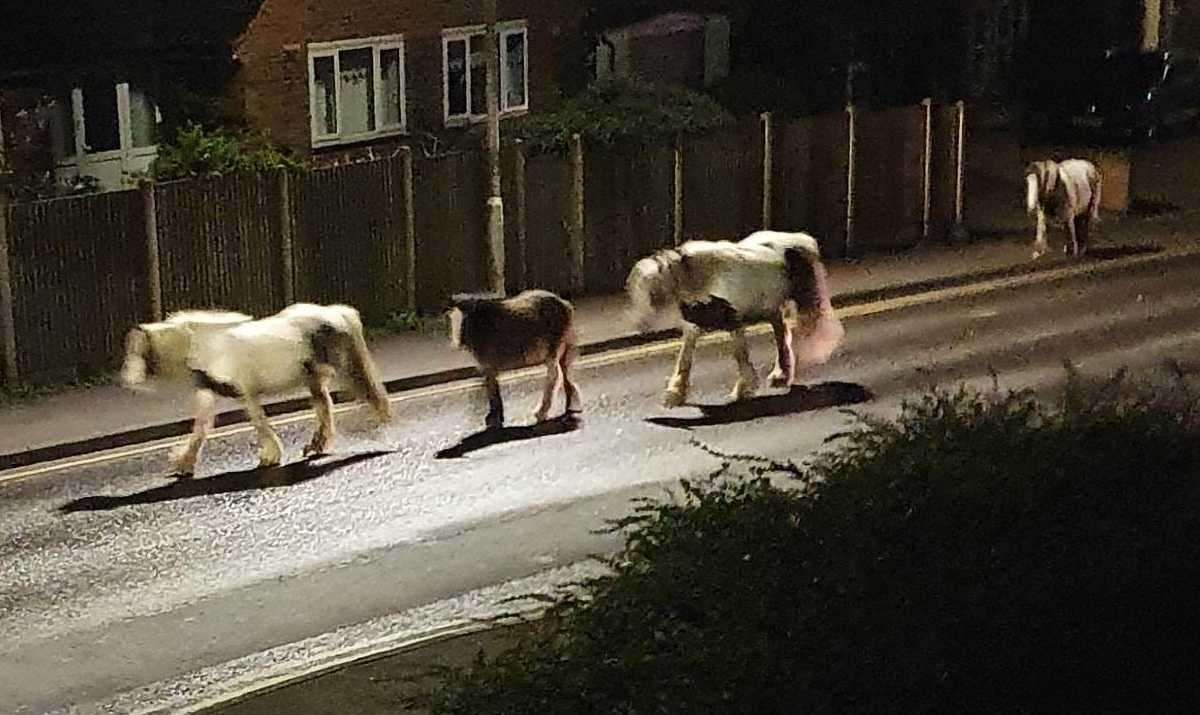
(677, 198)
(410, 229)
(575, 218)
(8, 327)
(850, 161)
(287, 236)
(768, 168)
(153, 267)
(522, 227)
(927, 168)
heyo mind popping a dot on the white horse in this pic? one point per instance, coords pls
(233, 355)
(1067, 191)
(721, 285)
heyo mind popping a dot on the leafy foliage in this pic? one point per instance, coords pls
(614, 111)
(982, 553)
(200, 152)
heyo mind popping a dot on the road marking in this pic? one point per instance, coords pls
(621, 355)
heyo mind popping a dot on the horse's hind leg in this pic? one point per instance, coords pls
(784, 371)
(322, 402)
(747, 382)
(1083, 226)
(495, 415)
(1072, 248)
(677, 385)
(553, 376)
(270, 448)
(183, 458)
(574, 401)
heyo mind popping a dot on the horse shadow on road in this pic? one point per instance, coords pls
(800, 398)
(493, 436)
(230, 482)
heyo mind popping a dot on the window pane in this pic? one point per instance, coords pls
(456, 77)
(143, 118)
(324, 97)
(356, 90)
(478, 75)
(100, 128)
(391, 93)
(514, 70)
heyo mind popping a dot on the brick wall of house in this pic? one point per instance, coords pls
(272, 83)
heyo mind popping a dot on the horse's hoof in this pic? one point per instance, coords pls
(673, 398)
(493, 423)
(539, 417)
(316, 449)
(183, 472)
(267, 461)
(779, 380)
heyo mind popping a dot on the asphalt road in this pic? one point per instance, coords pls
(114, 577)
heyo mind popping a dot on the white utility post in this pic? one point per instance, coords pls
(495, 203)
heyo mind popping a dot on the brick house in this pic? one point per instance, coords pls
(324, 77)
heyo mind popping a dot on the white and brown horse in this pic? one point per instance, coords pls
(1068, 192)
(722, 285)
(233, 355)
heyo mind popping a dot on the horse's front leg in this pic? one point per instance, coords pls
(322, 401)
(747, 382)
(785, 365)
(183, 458)
(1039, 241)
(677, 385)
(270, 448)
(495, 415)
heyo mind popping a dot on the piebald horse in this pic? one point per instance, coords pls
(232, 355)
(1068, 192)
(722, 285)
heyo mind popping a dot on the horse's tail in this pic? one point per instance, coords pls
(1094, 207)
(361, 369)
(1031, 190)
(821, 331)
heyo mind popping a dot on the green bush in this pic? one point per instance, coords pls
(199, 152)
(982, 553)
(610, 111)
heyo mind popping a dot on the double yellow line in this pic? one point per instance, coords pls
(617, 356)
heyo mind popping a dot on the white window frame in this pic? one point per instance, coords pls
(125, 148)
(464, 34)
(377, 45)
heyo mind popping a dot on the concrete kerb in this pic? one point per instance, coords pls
(178, 428)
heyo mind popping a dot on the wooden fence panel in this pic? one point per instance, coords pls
(828, 167)
(78, 280)
(889, 181)
(722, 182)
(628, 206)
(450, 193)
(349, 239)
(547, 191)
(219, 243)
(943, 171)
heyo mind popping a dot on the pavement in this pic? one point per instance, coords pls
(86, 420)
(124, 591)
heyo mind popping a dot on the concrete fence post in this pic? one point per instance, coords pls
(677, 194)
(153, 266)
(959, 165)
(575, 218)
(851, 158)
(768, 168)
(410, 229)
(927, 169)
(8, 327)
(287, 237)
